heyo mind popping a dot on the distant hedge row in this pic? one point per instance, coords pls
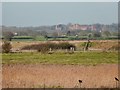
(22, 37)
(44, 47)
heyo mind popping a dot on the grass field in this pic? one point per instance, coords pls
(96, 69)
(78, 58)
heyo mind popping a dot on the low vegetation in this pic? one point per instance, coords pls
(103, 45)
(61, 53)
(45, 47)
(60, 56)
(85, 58)
(6, 47)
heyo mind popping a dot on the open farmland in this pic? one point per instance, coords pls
(85, 58)
(96, 68)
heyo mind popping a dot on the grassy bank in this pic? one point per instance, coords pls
(85, 58)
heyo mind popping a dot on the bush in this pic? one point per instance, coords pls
(65, 45)
(45, 47)
(6, 47)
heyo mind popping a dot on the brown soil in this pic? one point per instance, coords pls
(59, 75)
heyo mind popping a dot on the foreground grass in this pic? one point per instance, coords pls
(85, 58)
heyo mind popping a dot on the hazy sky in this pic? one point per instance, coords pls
(50, 13)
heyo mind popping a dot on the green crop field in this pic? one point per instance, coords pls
(79, 58)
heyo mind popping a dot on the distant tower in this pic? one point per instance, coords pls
(58, 29)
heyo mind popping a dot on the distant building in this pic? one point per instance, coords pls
(81, 27)
(92, 27)
(84, 27)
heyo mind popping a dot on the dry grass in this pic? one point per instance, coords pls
(59, 75)
(36, 75)
(99, 44)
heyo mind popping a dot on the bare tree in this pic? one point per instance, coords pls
(8, 35)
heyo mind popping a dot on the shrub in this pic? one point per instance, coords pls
(6, 47)
(65, 45)
(45, 47)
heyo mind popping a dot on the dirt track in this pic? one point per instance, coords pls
(59, 75)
